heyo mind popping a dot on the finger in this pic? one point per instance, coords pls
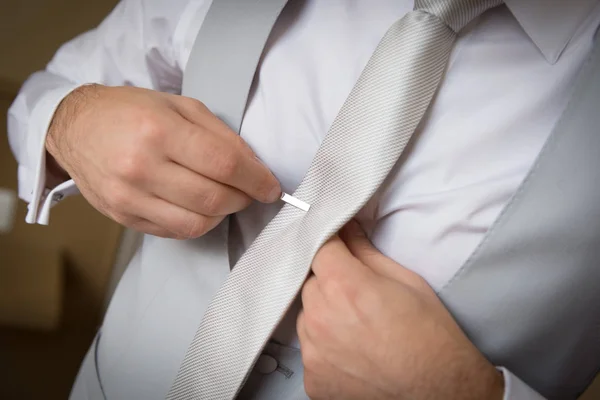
(225, 157)
(137, 224)
(183, 187)
(315, 384)
(311, 295)
(307, 343)
(361, 247)
(145, 226)
(198, 114)
(126, 218)
(301, 328)
(334, 261)
(183, 223)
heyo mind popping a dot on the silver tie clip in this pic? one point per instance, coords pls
(291, 200)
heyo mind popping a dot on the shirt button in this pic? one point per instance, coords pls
(266, 364)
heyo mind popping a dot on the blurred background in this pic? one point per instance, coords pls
(55, 281)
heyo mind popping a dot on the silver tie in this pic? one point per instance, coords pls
(363, 144)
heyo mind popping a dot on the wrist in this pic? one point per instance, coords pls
(60, 128)
(478, 379)
(55, 173)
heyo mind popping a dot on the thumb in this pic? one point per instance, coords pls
(361, 247)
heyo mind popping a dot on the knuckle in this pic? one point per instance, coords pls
(418, 280)
(332, 288)
(308, 287)
(366, 249)
(212, 201)
(240, 144)
(310, 358)
(368, 301)
(317, 325)
(149, 128)
(351, 290)
(421, 284)
(323, 259)
(116, 197)
(117, 200)
(196, 104)
(330, 273)
(227, 164)
(195, 227)
(338, 285)
(131, 166)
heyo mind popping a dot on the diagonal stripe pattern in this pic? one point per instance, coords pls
(365, 141)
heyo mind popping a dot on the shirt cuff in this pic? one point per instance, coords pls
(516, 389)
(52, 197)
(32, 184)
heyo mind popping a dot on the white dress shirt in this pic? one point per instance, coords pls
(508, 80)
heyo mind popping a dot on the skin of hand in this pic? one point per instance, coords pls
(155, 162)
(372, 329)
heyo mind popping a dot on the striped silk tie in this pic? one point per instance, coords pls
(365, 141)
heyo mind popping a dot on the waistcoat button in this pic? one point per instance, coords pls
(266, 364)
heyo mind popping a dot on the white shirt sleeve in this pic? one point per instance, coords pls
(516, 389)
(139, 44)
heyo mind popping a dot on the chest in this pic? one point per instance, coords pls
(496, 107)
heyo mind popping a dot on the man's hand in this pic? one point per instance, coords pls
(158, 163)
(371, 329)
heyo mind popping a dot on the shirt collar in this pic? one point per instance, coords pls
(550, 23)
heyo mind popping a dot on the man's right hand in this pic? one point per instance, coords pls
(158, 163)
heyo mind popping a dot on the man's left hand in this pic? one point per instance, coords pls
(372, 329)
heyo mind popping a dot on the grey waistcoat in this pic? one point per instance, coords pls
(528, 297)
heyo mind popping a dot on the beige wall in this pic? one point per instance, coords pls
(30, 33)
(32, 30)
(37, 364)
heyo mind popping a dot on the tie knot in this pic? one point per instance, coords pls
(456, 13)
